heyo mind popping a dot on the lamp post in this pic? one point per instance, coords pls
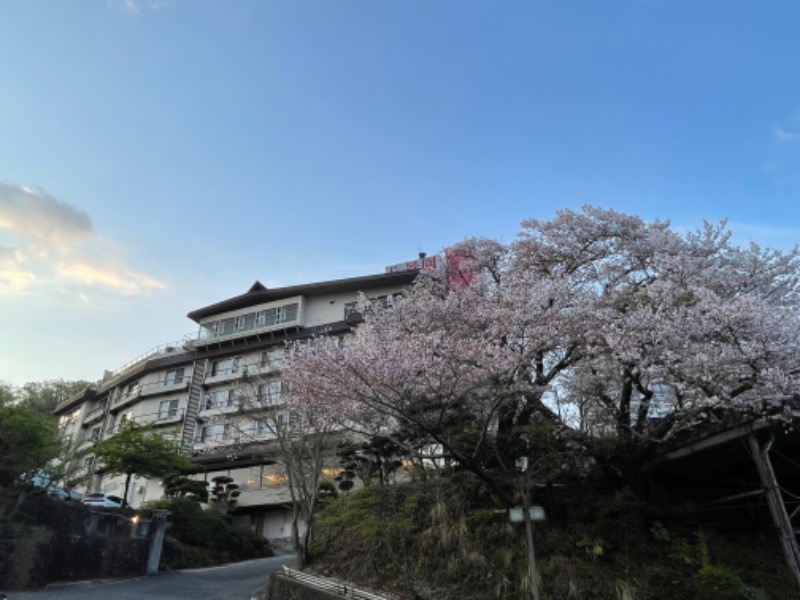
(529, 514)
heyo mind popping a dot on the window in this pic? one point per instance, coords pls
(219, 399)
(350, 311)
(123, 418)
(225, 327)
(224, 366)
(168, 408)
(245, 322)
(248, 322)
(269, 394)
(94, 434)
(88, 463)
(277, 315)
(275, 358)
(173, 377)
(260, 427)
(267, 428)
(273, 475)
(213, 433)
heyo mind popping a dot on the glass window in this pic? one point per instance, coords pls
(88, 463)
(219, 399)
(289, 312)
(274, 476)
(221, 367)
(269, 394)
(206, 434)
(174, 376)
(245, 322)
(168, 408)
(225, 327)
(251, 478)
(217, 433)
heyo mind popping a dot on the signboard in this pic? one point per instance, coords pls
(517, 514)
(428, 262)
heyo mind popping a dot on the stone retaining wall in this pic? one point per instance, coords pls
(49, 540)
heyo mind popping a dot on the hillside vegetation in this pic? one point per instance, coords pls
(444, 539)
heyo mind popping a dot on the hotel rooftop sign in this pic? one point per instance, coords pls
(423, 262)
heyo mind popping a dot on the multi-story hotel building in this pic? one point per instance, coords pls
(191, 390)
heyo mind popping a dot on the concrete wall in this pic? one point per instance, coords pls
(62, 541)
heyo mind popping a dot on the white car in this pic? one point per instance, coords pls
(102, 500)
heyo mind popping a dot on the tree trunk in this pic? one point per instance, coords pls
(296, 535)
(624, 414)
(127, 487)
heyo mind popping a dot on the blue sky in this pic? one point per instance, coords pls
(157, 156)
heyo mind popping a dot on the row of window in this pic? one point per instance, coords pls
(171, 377)
(351, 308)
(266, 394)
(225, 432)
(262, 319)
(226, 366)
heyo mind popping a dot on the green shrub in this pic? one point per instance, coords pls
(205, 537)
(719, 583)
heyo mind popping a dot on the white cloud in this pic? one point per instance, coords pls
(159, 4)
(785, 137)
(36, 216)
(135, 7)
(54, 244)
(121, 278)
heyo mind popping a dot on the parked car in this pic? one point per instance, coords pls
(62, 494)
(45, 482)
(102, 500)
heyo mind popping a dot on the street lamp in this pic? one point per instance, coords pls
(529, 514)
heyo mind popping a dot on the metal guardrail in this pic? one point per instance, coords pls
(169, 347)
(345, 590)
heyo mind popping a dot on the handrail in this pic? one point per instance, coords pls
(160, 349)
(340, 588)
(153, 418)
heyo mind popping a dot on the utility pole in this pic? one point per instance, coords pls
(528, 514)
(780, 517)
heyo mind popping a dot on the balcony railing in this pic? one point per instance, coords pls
(276, 316)
(161, 349)
(164, 387)
(128, 395)
(250, 368)
(210, 403)
(94, 414)
(162, 417)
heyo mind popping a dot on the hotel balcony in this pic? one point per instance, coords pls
(94, 415)
(157, 419)
(264, 321)
(165, 387)
(129, 396)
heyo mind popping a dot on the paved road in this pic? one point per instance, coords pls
(237, 581)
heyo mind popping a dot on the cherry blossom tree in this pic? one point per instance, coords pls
(593, 323)
(302, 438)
